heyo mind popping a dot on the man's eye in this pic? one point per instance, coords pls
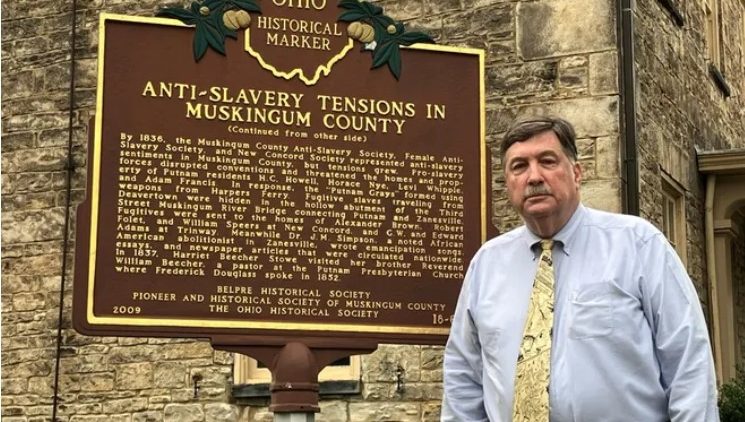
(517, 166)
(549, 161)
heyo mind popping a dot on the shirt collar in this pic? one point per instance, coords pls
(564, 236)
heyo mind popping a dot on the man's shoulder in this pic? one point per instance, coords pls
(507, 238)
(611, 221)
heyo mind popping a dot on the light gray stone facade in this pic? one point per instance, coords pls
(548, 56)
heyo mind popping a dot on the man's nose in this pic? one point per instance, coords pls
(535, 176)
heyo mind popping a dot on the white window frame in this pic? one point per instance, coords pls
(674, 215)
(247, 371)
(712, 32)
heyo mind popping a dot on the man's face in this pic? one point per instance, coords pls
(542, 182)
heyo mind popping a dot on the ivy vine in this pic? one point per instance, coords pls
(389, 34)
(207, 17)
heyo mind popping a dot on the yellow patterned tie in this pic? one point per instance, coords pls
(533, 364)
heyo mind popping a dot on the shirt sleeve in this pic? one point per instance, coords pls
(682, 348)
(463, 396)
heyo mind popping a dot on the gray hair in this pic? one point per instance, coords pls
(524, 129)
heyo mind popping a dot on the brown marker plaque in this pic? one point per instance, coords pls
(278, 190)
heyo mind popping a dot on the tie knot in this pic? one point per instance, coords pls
(547, 244)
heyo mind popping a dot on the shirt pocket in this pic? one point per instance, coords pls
(591, 310)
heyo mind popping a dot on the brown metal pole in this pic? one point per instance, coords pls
(294, 380)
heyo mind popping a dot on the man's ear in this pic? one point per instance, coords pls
(577, 168)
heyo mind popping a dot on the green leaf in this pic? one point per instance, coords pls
(350, 4)
(195, 8)
(371, 9)
(394, 61)
(382, 53)
(214, 37)
(200, 44)
(215, 21)
(231, 33)
(351, 16)
(382, 22)
(409, 38)
(215, 5)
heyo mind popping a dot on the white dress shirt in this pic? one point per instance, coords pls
(629, 337)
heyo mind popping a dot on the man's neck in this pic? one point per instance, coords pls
(547, 227)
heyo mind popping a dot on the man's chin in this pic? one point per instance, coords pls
(537, 209)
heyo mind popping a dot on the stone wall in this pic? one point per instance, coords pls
(680, 109)
(564, 61)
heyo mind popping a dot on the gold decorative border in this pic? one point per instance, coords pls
(92, 319)
(324, 69)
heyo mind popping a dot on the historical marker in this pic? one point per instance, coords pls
(293, 170)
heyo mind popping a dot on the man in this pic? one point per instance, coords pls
(623, 336)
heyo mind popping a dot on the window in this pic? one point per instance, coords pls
(673, 215)
(249, 371)
(712, 32)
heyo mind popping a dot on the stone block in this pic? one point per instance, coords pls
(591, 117)
(602, 194)
(183, 413)
(574, 77)
(53, 138)
(196, 349)
(149, 416)
(17, 141)
(22, 283)
(381, 412)
(496, 20)
(138, 353)
(29, 201)
(57, 77)
(12, 385)
(604, 73)
(419, 391)
(37, 181)
(223, 358)
(48, 264)
(220, 412)
(33, 226)
(41, 386)
(256, 414)
(511, 79)
(126, 405)
(92, 382)
(212, 377)
(79, 409)
(560, 27)
(19, 123)
(402, 10)
(433, 8)
(170, 375)
(608, 157)
(431, 358)
(379, 391)
(431, 411)
(333, 411)
(34, 160)
(134, 376)
(29, 301)
(383, 364)
(100, 418)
